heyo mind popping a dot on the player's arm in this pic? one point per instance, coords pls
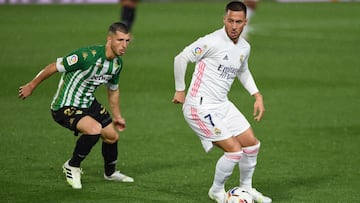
(180, 65)
(27, 89)
(114, 98)
(192, 53)
(259, 108)
(249, 84)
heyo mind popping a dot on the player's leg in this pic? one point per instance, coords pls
(110, 154)
(90, 130)
(225, 166)
(109, 148)
(211, 129)
(110, 142)
(128, 12)
(251, 4)
(251, 7)
(108, 134)
(247, 164)
(77, 120)
(90, 135)
(244, 136)
(238, 125)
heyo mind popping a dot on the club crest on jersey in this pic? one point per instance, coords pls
(99, 65)
(217, 131)
(242, 58)
(116, 66)
(71, 60)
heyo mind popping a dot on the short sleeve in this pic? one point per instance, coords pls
(73, 61)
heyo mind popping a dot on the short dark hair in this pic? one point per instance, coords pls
(236, 6)
(118, 26)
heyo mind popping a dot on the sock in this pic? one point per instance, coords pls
(128, 16)
(110, 153)
(247, 165)
(224, 168)
(83, 147)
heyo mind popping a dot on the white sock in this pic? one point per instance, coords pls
(247, 165)
(224, 168)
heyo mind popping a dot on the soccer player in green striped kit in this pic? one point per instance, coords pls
(75, 107)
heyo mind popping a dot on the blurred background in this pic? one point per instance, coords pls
(305, 60)
(115, 1)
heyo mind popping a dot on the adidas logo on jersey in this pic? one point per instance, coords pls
(226, 58)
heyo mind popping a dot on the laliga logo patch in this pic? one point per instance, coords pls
(71, 60)
(198, 50)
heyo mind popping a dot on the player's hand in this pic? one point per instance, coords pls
(25, 91)
(119, 123)
(179, 97)
(259, 108)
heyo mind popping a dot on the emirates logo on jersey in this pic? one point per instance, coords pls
(227, 72)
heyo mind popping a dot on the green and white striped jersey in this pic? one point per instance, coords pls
(83, 71)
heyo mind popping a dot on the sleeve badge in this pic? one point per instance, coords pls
(71, 60)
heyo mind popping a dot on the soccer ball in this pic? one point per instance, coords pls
(238, 195)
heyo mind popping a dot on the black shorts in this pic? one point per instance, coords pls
(69, 116)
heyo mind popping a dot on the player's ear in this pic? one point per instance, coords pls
(246, 20)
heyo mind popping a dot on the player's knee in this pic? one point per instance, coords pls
(234, 156)
(253, 141)
(247, 138)
(88, 125)
(92, 129)
(110, 138)
(114, 138)
(252, 150)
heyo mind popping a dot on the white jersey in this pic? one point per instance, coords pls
(218, 62)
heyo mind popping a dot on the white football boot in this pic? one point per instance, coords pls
(258, 197)
(73, 175)
(117, 176)
(219, 197)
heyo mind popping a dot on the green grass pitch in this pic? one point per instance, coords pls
(305, 59)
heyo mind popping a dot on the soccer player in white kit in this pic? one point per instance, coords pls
(221, 57)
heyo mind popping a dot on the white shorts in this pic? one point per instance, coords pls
(215, 122)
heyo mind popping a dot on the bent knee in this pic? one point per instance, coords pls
(94, 130)
(247, 138)
(89, 126)
(110, 138)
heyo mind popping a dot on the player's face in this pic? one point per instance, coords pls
(119, 42)
(234, 22)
